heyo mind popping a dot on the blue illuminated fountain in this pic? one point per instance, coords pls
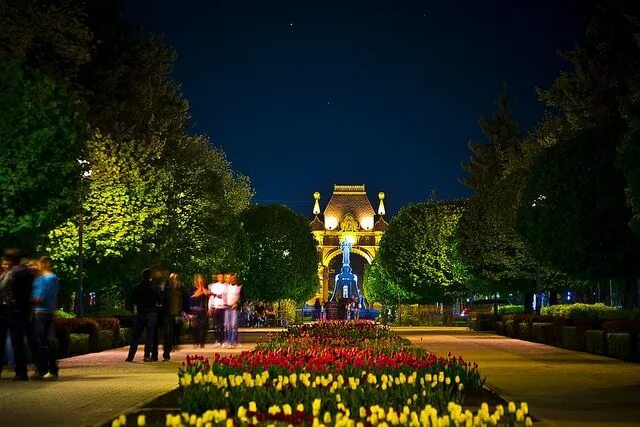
(346, 285)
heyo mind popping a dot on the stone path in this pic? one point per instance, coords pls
(562, 387)
(92, 389)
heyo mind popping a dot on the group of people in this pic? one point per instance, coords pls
(163, 305)
(343, 309)
(28, 299)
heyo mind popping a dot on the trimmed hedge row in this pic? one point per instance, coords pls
(615, 338)
(85, 335)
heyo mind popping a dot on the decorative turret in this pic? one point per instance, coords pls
(316, 224)
(381, 211)
(316, 206)
(380, 224)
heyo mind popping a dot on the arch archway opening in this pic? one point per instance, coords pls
(358, 263)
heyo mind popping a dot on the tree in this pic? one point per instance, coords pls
(41, 139)
(283, 261)
(379, 287)
(488, 239)
(629, 160)
(419, 251)
(596, 102)
(573, 211)
(205, 201)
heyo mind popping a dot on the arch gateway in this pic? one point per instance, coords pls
(347, 217)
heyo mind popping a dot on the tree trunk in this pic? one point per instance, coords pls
(630, 293)
(553, 297)
(528, 302)
(447, 311)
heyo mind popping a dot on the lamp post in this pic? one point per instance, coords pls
(84, 174)
(538, 203)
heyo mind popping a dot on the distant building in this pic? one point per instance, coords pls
(348, 215)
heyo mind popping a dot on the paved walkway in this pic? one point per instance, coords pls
(562, 387)
(92, 389)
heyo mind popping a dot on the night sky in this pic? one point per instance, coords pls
(307, 93)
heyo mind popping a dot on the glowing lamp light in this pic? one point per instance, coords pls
(331, 222)
(367, 223)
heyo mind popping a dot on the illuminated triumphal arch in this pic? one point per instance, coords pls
(348, 216)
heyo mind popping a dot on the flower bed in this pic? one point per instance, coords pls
(367, 380)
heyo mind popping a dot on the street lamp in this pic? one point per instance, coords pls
(84, 175)
(538, 202)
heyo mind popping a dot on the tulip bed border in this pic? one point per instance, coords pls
(333, 374)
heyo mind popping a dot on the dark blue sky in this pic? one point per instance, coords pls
(307, 93)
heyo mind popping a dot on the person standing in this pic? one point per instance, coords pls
(15, 290)
(198, 307)
(217, 307)
(44, 298)
(317, 307)
(146, 297)
(231, 313)
(173, 304)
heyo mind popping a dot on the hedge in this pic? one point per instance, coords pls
(595, 341)
(510, 328)
(543, 332)
(589, 311)
(78, 344)
(524, 331)
(126, 335)
(482, 322)
(105, 339)
(500, 328)
(570, 339)
(619, 345)
(511, 309)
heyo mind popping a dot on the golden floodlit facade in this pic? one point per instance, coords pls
(348, 216)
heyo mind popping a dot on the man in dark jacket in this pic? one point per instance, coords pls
(148, 301)
(15, 310)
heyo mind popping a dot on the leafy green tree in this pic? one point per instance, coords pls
(283, 261)
(577, 221)
(629, 160)
(595, 102)
(40, 143)
(379, 287)
(488, 239)
(205, 200)
(419, 251)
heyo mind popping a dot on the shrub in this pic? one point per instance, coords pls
(78, 344)
(61, 314)
(126, 335)
(619, 345)
(524, 331)
(542, 332)
(482, 322)
(510, 328)
(631, 327)
(79, 326)
(511, 309)
(500, 328)
(570, 339)
(105, 339)
(513, 329)
(110, 324)
(595, 341)
(418, 315)
(580, 311)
